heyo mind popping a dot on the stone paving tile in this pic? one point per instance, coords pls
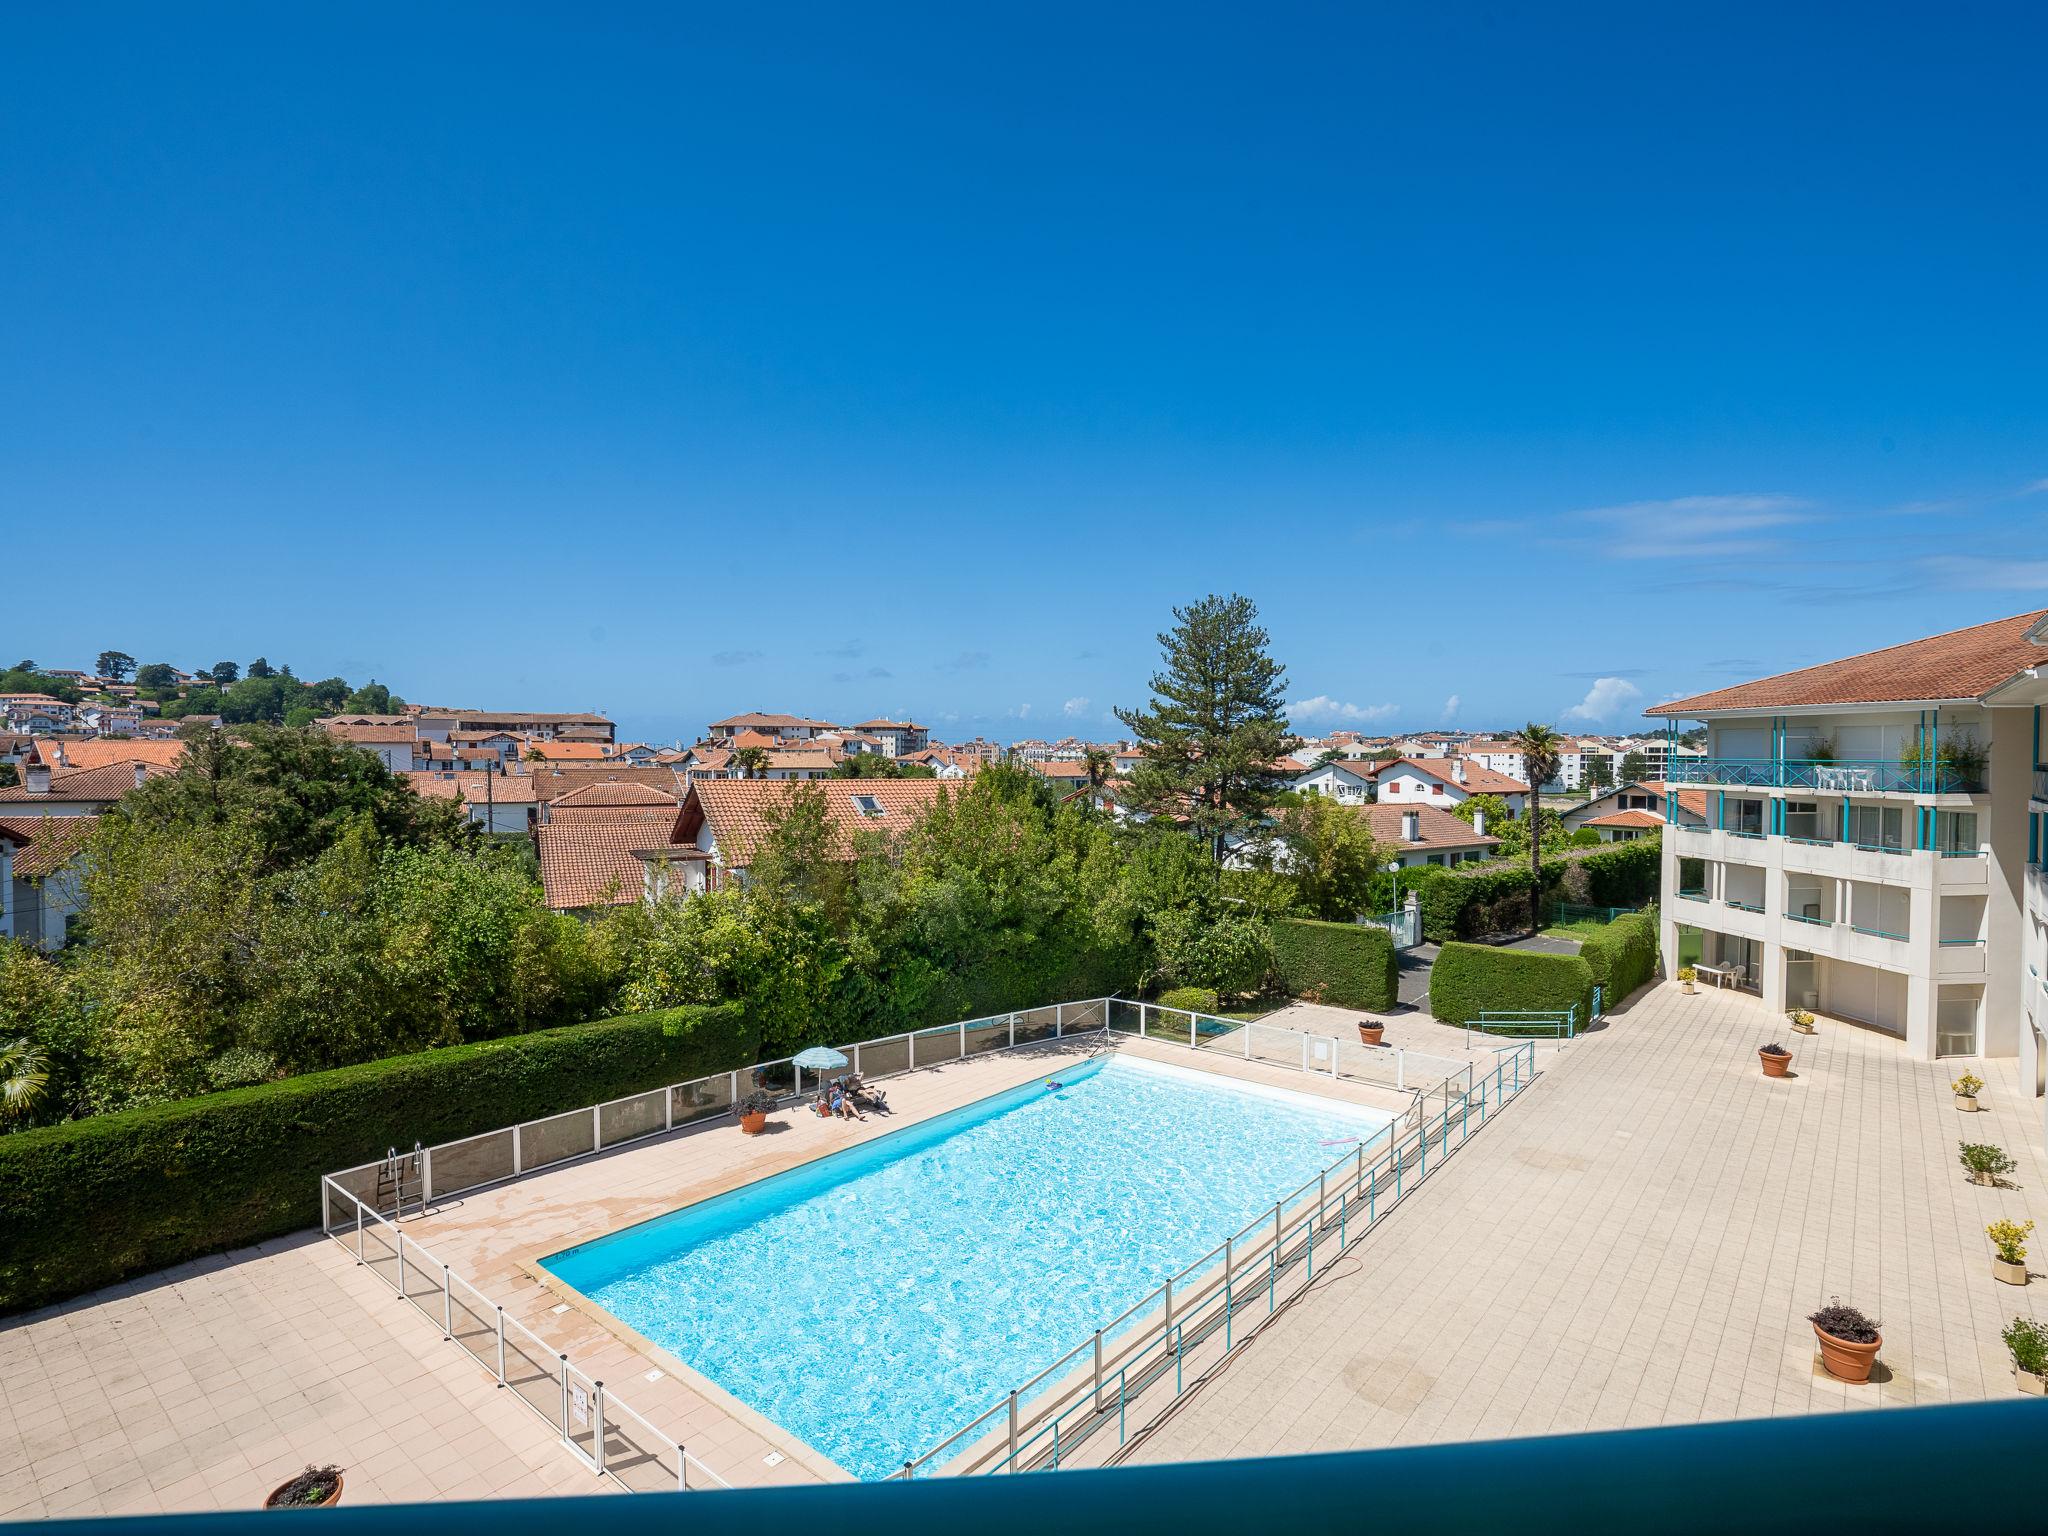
(1637, 1241)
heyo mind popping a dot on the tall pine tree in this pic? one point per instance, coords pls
(1216, 726)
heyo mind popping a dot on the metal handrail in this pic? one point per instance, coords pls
(443, 1278)
(1078, 1408)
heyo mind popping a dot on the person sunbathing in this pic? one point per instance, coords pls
(843, 1105)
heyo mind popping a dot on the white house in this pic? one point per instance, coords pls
(1629, 811)
(41, 883)
(1347, 781)
(1423, 834)
(1445, 782)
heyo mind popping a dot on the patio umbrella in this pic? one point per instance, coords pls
(820, 1058)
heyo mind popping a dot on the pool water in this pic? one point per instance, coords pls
(873, 1302)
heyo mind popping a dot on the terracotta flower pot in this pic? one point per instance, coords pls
(1846, 1361)
(753, 1124)
(2010, 1273)
(1371, 1034)
(1967, 1102)
(1775, 1066)
(2031, 1384)
(333, 1497)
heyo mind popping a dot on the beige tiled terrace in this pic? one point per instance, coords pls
(1633, 1241)
(1638, 1241)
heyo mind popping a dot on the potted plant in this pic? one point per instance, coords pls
(753, 1111)
(2027, 1342)
(1802, 1021)
(1821, 751)
(314, 1488)
(1984, 1161)
(1370, 1031)
(2010, 1239)
(1687, 975)
(1849, 1341)
(1776, 1059)
(1966, 1089)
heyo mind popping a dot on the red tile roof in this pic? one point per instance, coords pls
(475, 786)
(46, 843)
(1439, 829)
(106, 784)
(740, 812)
(98, 752)
(1479, 779)
(374, 735)
(590, 861)
(612, 794)
(1962, 664)
(1632, 818)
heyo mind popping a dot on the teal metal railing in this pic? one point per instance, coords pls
(1868, 777)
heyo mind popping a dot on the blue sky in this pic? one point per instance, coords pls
(860, 360)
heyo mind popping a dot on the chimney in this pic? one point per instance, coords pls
(62, 760)
(1411, 826)
(38, 778)
(1479, 823)
(1458, 769)
(141, 773)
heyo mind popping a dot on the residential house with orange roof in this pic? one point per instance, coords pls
(506, 803)
(42, 886)
(1630, 811)
(1444, 782)
(1873, 841)
(723, 822)
(47, 791)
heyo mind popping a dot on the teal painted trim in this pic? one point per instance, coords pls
(2037, 735)
(1845, 818)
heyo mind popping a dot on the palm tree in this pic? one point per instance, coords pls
(750, 762)
(22, 1078)
(1542, 754)
(1100, 766)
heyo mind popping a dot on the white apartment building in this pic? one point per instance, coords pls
(1873, 842)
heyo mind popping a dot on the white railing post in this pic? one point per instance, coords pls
(1191, 1029)
(447, 1308)
(1247, 1033)
(910, 1042)
(359, 1230)
(426, 1175)
(518, 1151)
(963, 1037)
(562, 1376)
(1098, 1371)
(501, 1346)
(856, 1061)
(401, 1262)
(1400, 1067)
(596, 1131)
(1141, 1021)
(1013, 1029)
(1013, 1430)
(597, 1423)
(1304, 1053)
(1059, 1020)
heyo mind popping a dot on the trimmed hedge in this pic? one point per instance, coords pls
(90, 1202)
(1470, 979)
(1190, 999)
(1495, 898)
(1622, 955)
(1350, 965)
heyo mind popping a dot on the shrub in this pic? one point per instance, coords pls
(1190, 999)
(1470, 979)
(1230, 954)
(1968, 1085)
(1495, 898)
(89, 1202)
(2027, 1342)
(2009, 1237)
(1845, 1323)
(1351, 965)
(1983, 1157)
(1622, 955)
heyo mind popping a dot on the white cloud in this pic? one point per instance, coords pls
(1021, 712)
(1075, 706)
(1605, 699)
(1323, 707)
(1976, 573)
(1655, 530)
(2036, 488)
(1451, 706)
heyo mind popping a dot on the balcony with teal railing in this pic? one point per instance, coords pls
(1874, 776)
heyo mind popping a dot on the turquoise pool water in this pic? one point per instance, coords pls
(875, 1301)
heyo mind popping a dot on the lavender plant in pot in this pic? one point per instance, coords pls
(1849, 1341)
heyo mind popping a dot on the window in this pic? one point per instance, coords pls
(1956, 831)
(1877, 826)
(1955, 1022)
(1803, 820)
(867, 805)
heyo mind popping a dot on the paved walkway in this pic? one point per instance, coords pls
(1638, 1241)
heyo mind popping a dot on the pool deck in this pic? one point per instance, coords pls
(1636, 1241)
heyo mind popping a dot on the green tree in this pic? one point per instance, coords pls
(224, 672)
(114, 664)
(157, 674)
(1216, 723)
(750, 762)
(1635, 767)
(22, 1079)
(1330, 853)
(261, 668)
(863, 765)
(9, 776)
(373, 698)
(1600, 771)
(1542, 751)
(1100, 766)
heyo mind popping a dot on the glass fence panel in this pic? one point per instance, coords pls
(549, 1141)
(1037, 1024)
(1208, 1028)
(640, 1457)
(626, 1119)
(992, 1036)
(380, 1250)
(534, 1372)
(1123, 1017)
(476, 1324)
(478, 1160)
(885, 1058)
(1281, 1047)
(701, 1100)
(776, 1077)
(422, 1281)
(1084, 1017)
(937, 1045)
(360, 1182)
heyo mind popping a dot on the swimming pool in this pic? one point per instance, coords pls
(874, 1301)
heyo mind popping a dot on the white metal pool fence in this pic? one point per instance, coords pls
(1191, 1323)
(604, 1433)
